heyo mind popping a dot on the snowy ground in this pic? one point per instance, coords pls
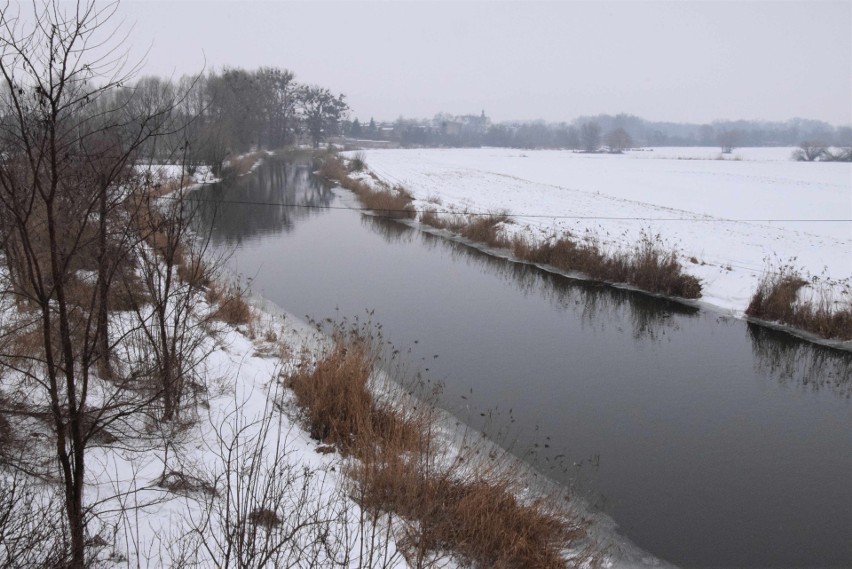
(738, 215)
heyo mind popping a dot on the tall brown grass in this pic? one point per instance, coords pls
(334, 391)
(777, 299)
(390, 202)
(232, 307)
(400, 465)
(242, 165)
(649, 266)
(480, 228)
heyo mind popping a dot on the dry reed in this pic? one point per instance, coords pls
(777, 299)
(388, 202)
(399, 466)
(649, 266)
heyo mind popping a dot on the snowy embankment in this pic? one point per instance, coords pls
(232, 479)
(730, 219)
(237, 458)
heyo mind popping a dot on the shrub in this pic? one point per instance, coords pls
(480, 520)
(233, 308)
(486, 229)
(838, 155)
(809, 151)
(654, 269)
(358, 162)
(649, 266)
(777, 299)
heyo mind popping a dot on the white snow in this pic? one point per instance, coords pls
(202, 174)
(738, 215)
(244, 388)
(701, 205)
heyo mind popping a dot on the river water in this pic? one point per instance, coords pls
(711, 442)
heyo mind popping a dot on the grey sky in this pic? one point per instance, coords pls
(680, 61)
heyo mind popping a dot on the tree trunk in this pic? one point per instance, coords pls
(102, 354)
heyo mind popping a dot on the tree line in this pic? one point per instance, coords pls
(106, 294)
(233, 111)
(615, 132)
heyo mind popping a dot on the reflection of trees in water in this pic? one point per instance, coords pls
(273, 182)
(791, 360)
(597, 305)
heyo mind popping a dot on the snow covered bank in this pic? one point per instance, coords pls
(737, 217)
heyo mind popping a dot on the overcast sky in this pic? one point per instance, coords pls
(690, 61)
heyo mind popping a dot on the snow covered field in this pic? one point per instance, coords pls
(752, 211)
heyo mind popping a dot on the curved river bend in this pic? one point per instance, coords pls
(711, 442)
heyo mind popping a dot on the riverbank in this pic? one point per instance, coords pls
(726, 252)
(568, 367)
(534, 525)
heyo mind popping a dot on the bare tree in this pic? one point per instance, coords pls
(320, 111)
(28, 524)
(254, 505)
(279, 90)
(838, 155)
(618, 140)
(729, 139)
(174, 273)
(590, 136)
(810, 151)
(69, 143)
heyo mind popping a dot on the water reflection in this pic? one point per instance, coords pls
(793, 361)
(596, 305)
(246, 208)
(779, 355)
(696, 436)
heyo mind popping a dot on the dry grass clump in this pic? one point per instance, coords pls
(334, 392)
(430, 217)
(399, 466)
(565, 254)
(776, 299)
(165, 187)
(332, 168)
(391, 202)
(394, 203)
(481, 521)
(182, 483)
(243, 164)
(649, 266)
(486, 229)
(195, 272)
(233, 308)
(480, 228)
(655, 269)
(126, 291)
(358, 162)
(776, 295)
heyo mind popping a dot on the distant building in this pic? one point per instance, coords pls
(466, 124)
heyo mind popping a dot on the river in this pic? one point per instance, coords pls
(710, 441)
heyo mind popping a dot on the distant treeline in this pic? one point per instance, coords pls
(233, 111)
(593, 132)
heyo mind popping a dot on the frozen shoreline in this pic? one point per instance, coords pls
(715, 224)
(622, 553)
